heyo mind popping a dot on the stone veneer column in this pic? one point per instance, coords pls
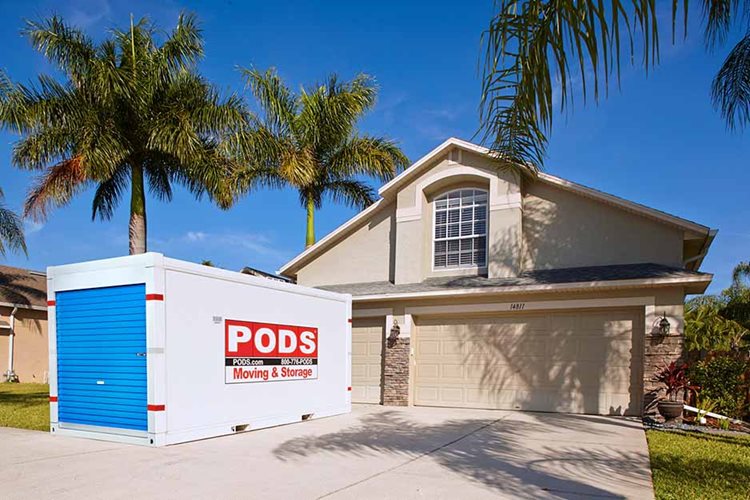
(658, 351)
(396, 361)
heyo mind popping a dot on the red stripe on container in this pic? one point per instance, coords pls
(154, 296)
(155, 407)
(51, 303)
(53, 399)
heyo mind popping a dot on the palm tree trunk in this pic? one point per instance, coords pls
(137, 228)
(310, 237)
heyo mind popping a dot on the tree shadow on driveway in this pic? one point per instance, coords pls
(496, 453)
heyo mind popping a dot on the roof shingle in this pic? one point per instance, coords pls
(527, 278)
(22, 287)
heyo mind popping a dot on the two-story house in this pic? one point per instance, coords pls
(476, 287)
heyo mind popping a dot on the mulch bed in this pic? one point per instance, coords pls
(688, 424)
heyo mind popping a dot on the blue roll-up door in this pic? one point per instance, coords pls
(101, 357)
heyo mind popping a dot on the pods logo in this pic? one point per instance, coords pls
(264, 352)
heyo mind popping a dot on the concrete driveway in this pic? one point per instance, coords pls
(375, 452)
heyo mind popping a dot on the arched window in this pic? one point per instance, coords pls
(460, 235)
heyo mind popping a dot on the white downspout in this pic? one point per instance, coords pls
(10, 375)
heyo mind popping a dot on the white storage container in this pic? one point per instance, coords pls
(156, 351)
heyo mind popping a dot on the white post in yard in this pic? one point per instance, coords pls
(10, 375)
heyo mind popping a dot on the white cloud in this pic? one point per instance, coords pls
(87, 14)
(31, 227)
(195, 236)
(232, 246)
(439, 123)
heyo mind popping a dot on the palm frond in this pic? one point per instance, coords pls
(11, 230)
(56, 187)
(534, 52)
(741, 270)
(242, 180)
(108, 195)
(329, 111)
(68, 47)
(731, 86)
(721, 16)
(184, 47)
(373, 156)
(349, 192)
(274, 98)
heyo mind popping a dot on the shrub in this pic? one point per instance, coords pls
(722, 380)
(707, 330)
(675, 379)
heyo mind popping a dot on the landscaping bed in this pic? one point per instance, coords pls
(699, 465)
(25, 406)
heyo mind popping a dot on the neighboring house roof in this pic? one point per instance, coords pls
(389, 189)
(614, 276)
(263, 274)
(23, 288)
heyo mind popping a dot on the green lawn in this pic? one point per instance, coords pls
(693, 465)
(25, 406)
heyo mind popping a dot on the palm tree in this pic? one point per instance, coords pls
(309, 141)
(11, 230)
(737, 296)
(131, 114)
(533, 47)
(740, 271)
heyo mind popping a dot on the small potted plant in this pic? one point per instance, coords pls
(675, 380)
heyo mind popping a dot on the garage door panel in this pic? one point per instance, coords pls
(451, 395)
(359, 371)
(452, 372)
(367, 348)
(359, 348)
(428, 347)
(579, 362)
(428, 394)
(562, 348)
(529, 347)
(427, 371)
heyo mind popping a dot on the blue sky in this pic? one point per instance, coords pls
(658, 141)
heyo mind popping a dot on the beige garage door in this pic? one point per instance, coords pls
(578, 362)
(367, 349)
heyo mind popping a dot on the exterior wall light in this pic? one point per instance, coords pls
(395, 332)
(664, 325)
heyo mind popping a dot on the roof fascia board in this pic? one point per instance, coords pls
(23, 306)
(696, 262)
(580, 287)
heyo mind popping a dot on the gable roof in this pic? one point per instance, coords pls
(388, 191)
(23, 288)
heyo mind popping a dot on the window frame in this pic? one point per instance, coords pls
(434, 239)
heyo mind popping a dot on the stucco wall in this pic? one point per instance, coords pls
(364, 256)
(31, 358)
(563, 229)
